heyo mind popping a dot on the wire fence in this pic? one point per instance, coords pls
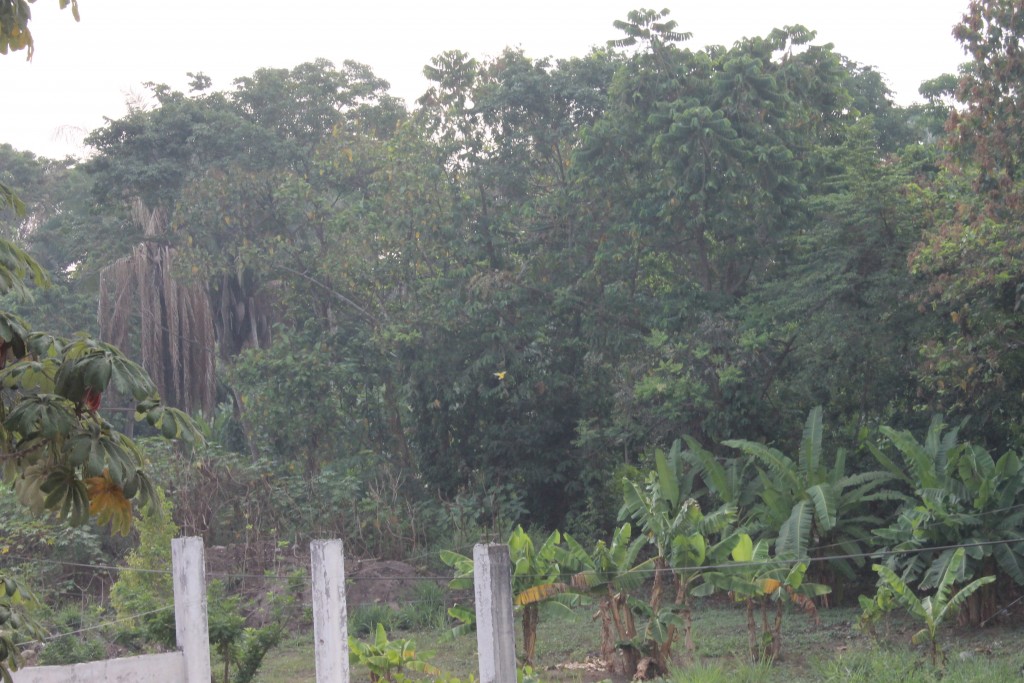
(810, 559)
(355, 577)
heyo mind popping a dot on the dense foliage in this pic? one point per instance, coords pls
(424, 325)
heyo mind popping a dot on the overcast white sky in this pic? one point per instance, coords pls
(83, 72)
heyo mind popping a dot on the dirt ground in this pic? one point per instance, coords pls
(254, 571)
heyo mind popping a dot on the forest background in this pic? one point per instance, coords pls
(410, 328)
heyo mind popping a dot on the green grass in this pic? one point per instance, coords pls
(831, 651)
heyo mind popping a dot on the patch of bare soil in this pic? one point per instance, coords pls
(258, 570)
(386, 582)
(590, 670)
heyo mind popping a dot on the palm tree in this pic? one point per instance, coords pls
(173, 318)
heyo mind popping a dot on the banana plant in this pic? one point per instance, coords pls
(933, 610)
(679, 531)
(387, 658)
(961, 495)
(728, 481)
(757, 579)
(536, 578)
(810, 501)
(612, 574)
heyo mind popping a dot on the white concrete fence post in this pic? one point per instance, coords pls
(330, 619)
(191, 627)
(495, 629)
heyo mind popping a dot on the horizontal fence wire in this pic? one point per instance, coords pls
(426, 577)
(95, 627)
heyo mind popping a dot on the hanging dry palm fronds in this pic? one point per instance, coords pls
(168, 322)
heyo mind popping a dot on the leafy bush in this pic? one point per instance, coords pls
(235, 644)
(74, 648)
(386, 658)
(24, 534)
(144, 588)
(255, 643)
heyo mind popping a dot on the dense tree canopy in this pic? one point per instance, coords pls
(546, 267)
(424, 324)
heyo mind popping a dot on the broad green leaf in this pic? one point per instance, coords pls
(743, 551)
(810, 444)
(795, 532)
(1010, 562)
(667, 480)
(823, 497)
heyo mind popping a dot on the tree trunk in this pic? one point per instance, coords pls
(399, 441)
(604, 612)
(626, 628)
(777, 631)
(531, 615)
(751, 631)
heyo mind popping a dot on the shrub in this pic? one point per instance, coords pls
(145, 587)
(74, 647)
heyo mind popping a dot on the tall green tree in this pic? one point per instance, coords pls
(839, 309)
(698, 173)
(971, 258)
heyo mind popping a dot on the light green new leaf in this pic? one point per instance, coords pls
(744, 549)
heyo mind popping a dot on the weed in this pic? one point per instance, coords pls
(426, 610)
(363, 619)
(738, 672)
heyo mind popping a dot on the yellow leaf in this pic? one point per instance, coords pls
(769, 586)
(540, 593)
(107, 502)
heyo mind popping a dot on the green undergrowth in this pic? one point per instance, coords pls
(831, 650)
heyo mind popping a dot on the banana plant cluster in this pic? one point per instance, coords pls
(690, 560)
(960, 494)
(679, 532)
(678, 549)
(811, 500)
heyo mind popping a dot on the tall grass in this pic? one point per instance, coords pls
(882, 665)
